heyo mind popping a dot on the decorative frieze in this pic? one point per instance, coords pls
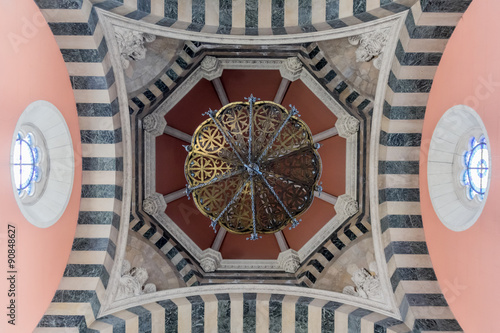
(210, 260)
(133, 282)
(154, 204)
(291, 69)
(289, 261)
(131, 44)
(370, 46)
(211, 68)
(366, 284)
(347, 126)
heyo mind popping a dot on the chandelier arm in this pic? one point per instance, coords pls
(287, 155)
(210, 114)
(254, 235)
(278, 176)
(276, 196)
(251, 99)
(233, 200)
(264, 152)
(216, 179)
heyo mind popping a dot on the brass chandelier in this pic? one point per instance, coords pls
(253, 167)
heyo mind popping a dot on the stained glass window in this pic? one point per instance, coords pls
(25, 162)
(476, 173)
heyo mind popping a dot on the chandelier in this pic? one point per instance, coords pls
(253, 167)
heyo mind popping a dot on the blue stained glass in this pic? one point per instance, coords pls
(476, 173)
(24, 164)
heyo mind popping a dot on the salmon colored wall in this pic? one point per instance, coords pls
(466, 263)
(32, 68)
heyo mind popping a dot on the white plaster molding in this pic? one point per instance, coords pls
(210, 260)
(249, 265)
(280, 238)
(346, 205)
(211, 68)
(131, 44)
(326, 197)
(291, 69)
(370, 46)
(154, 204)
(280, 94)
(154, 123)
(331, 132)
(347, 126)
(219, 238)
(180, 293)
(174, 195)
(221, 92)
(177, 133)
(289, 260)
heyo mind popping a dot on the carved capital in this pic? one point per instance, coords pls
(210, 260)
(367, 284)
(154, 124)
(289, 261)
(131, 44)
(211, 68)
(291, 68)
(133, 282)
(370, 46)
(347, 126)
(346, 205)
(154, 204)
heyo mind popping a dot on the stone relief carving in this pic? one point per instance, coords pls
(154, 124)
(154, 204)
(347, 126)
(211, 68)
(370, 46)
(289, 261)
(291, 68)
(210, 260)
(131, 44)
(367, 283)
(346, 205)
(132, 282)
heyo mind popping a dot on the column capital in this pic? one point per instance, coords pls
(154, 204)
(291, 68)
(211, 68)
(210, 260)
(347, 126)
(289, 260)
(154, 123)
(346, 205)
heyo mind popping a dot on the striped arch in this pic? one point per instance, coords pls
(423, 38)
(254, 17)
(247, 312)
(80, 38)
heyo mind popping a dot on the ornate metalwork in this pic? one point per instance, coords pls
(253, 167)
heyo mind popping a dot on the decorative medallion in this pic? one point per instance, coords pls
(253, 167)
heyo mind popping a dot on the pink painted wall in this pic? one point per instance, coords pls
(32, 68)
(467, 263)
